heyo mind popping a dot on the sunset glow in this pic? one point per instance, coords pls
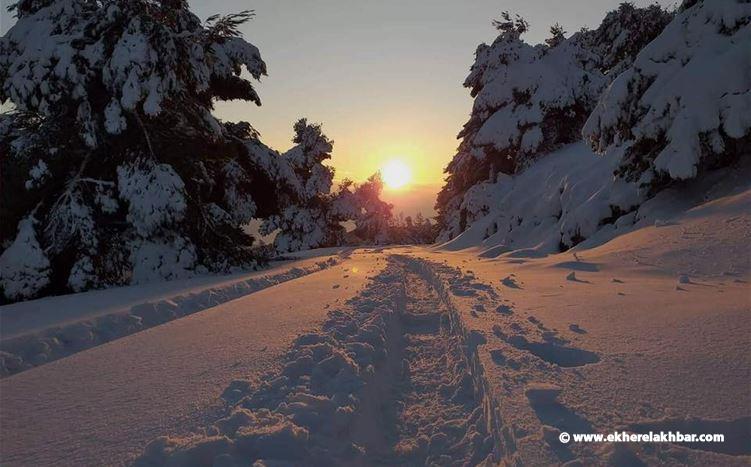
(396, 174)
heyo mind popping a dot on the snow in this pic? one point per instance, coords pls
(61, 326)
(427, 354)
(614, 348)
(166, 380)
(320, 407)
(154, 193)
(688, 91)
(532, 100)
(155, 261)
(24, 268)
(105, 99)
(37, 175)
(557, 200)
(242, 207)
(47, 63)
(573, 291)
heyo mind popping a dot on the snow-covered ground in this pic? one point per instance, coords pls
(39, 331)
(411, 355)
(102, 405)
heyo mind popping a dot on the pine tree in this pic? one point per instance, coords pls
(409, 231)
(307, 219)
(624, 32)
(531, 100)
(683, 106)
(557, 35)
(374, 216)
(312, 215)
(114, 169)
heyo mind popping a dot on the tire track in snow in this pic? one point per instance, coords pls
(387, 380)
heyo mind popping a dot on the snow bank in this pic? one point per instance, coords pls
(559, 200)
(26, 351)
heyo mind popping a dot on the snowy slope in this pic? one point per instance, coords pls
(554, 202)
(643, 326)
(571, 196)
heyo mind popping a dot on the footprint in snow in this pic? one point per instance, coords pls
(572, 277)
(509, 281)
(555, 418)
(554, 353)
(501, 360)
(504, 310)
(576, 328)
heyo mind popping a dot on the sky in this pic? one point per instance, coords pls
(383, 77)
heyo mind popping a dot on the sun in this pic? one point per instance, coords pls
(396, 174)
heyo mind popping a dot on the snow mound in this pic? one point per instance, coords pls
(556, 202)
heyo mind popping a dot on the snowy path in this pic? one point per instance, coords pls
(424, 404)
(100, 406)
(390, 379)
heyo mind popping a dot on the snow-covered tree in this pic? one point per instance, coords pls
(24, 268)
(312, 215)
(623, 33)
(307, 220)
(113, 168)
(373, 219)
(557, 35)
(531, 100)
(685, 103)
